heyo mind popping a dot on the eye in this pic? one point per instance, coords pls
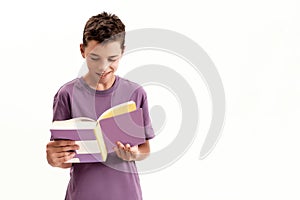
(111, 60)
(94, 59)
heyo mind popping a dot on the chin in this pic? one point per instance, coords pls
(108, 77)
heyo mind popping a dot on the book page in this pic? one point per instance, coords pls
(87, 147)
(118, 110)
(75, 123)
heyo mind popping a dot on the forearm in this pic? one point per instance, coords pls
(144, 151)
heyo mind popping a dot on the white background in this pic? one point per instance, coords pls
(255, 46)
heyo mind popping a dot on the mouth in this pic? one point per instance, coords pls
(103, 74)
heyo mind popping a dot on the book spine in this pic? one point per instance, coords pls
(99, 137)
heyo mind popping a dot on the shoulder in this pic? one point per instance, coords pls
(130, 86)
(62, 101)
(129, 90)
(66, 89)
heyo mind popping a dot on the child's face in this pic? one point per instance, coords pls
(102, 59)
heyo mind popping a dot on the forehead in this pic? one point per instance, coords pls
(103, 49)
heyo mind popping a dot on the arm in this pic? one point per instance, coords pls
(59, 151)
(135, 153)
(140, 152)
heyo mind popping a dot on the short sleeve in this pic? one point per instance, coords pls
(143, 103)
(61, 106)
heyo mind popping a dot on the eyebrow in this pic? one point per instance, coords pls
(113, 56)
(93, 54)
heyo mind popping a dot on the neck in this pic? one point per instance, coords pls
(106, 85)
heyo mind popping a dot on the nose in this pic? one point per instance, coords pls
(102, 66)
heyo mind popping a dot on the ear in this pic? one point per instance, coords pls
(82, 48)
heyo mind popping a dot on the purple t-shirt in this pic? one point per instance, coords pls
(114, 179)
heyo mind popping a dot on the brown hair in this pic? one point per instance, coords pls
(104, 27)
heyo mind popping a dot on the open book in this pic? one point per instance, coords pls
(123, 122)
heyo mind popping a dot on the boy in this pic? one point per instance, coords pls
(89, 96)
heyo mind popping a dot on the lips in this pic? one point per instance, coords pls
(103, 75)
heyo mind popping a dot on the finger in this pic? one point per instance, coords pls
(56, 156)
(65, 158)
(66, 148)
(62, 154)
(53, 145)
(56, 161)
(120, 145)
(59, 143)
(128, 156)
(60, 150)
(116, 149)
(127, 147)
(122, 153)
(134, 149)
(134, 152)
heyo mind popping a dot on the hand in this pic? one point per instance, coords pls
(126, 152)
(58, 152)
